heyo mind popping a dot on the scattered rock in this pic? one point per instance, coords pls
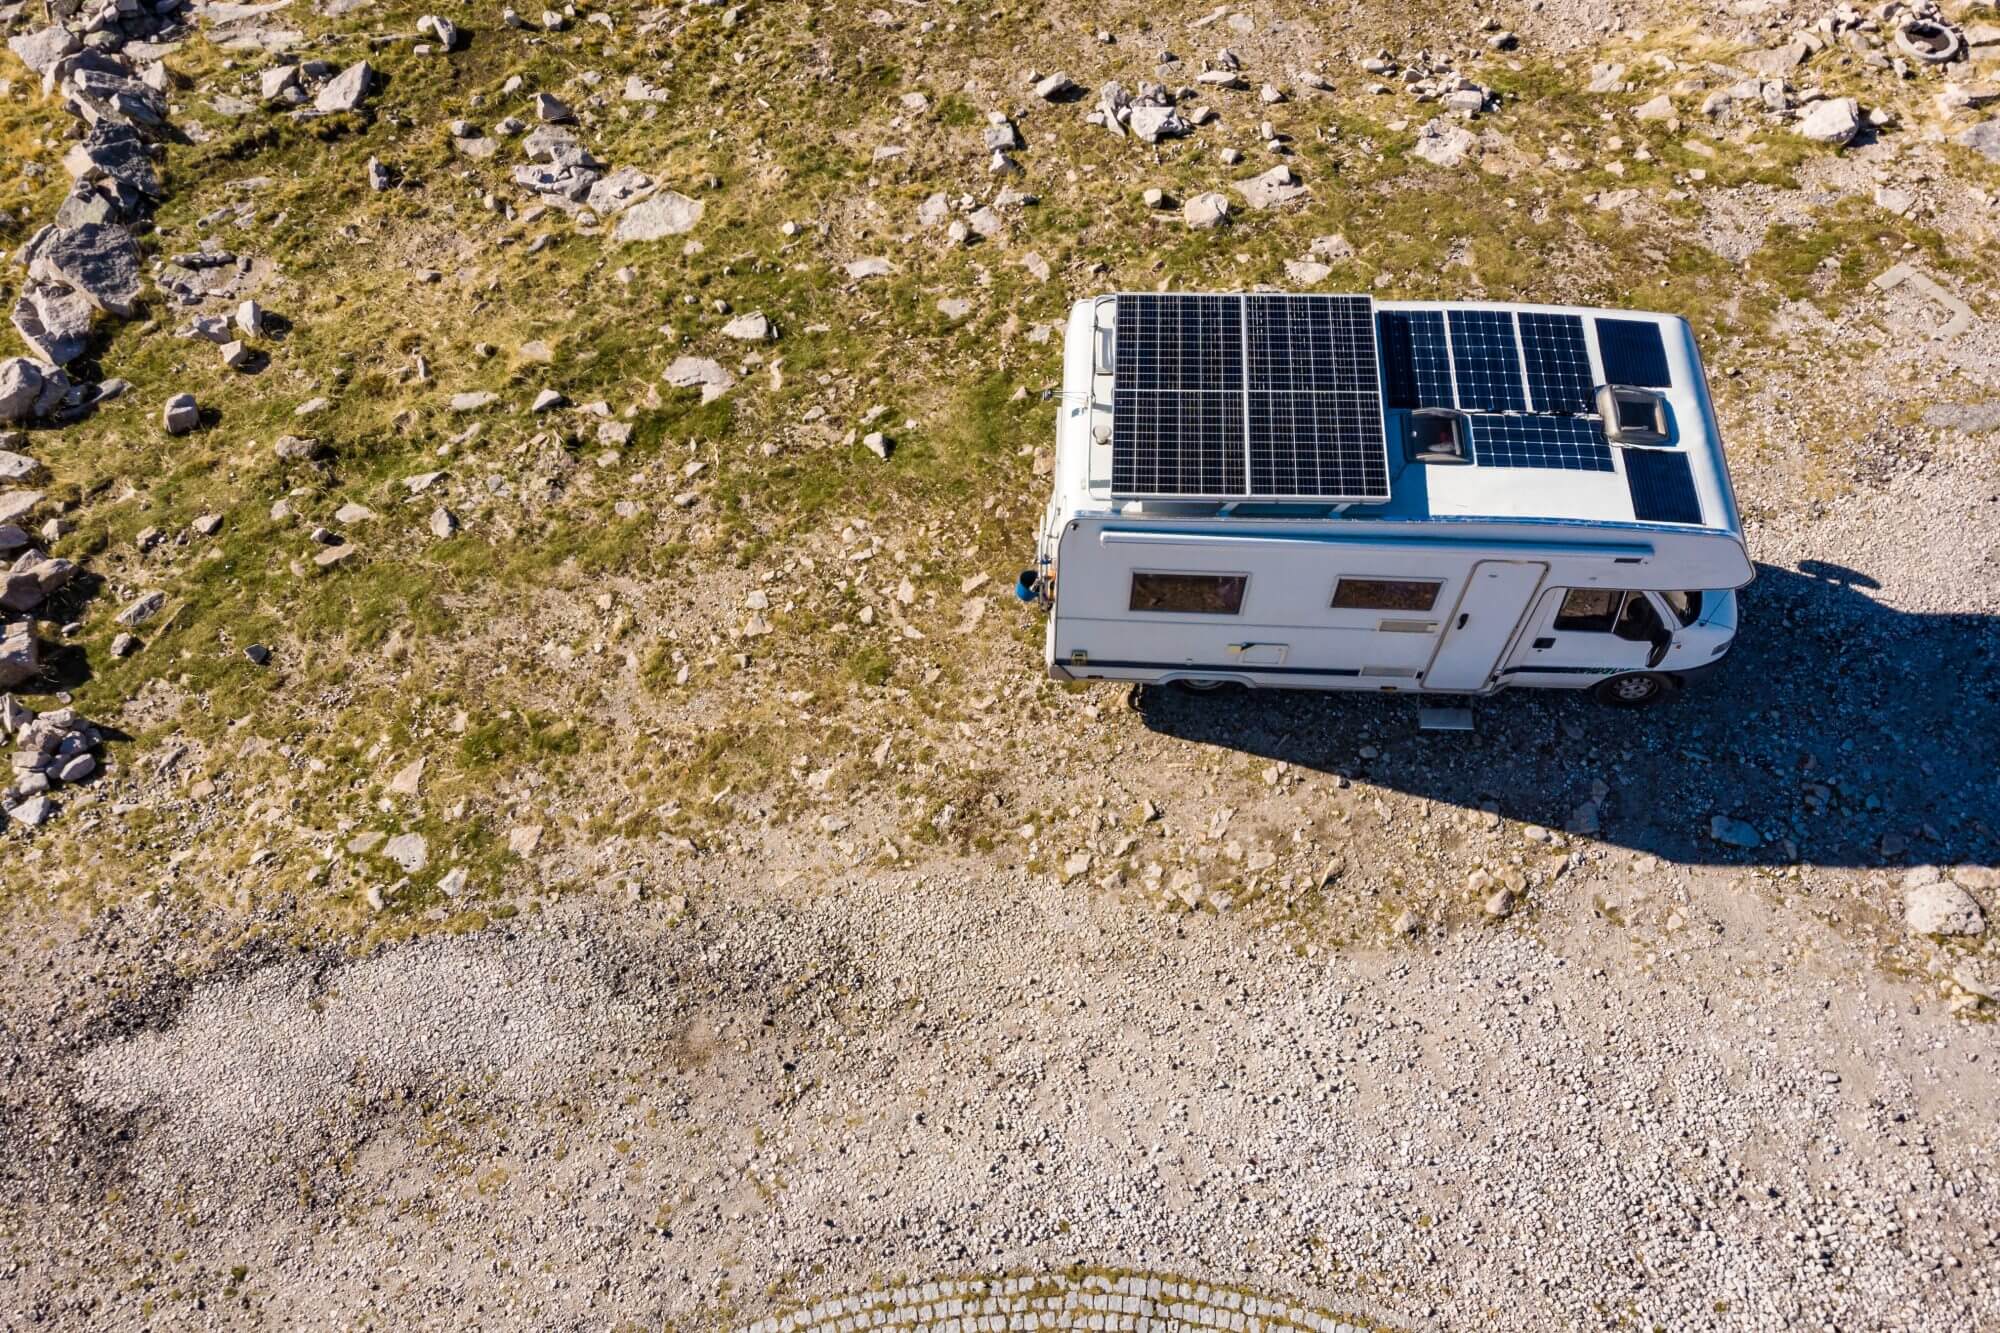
(709, 376)
(180, 414)
(1206, 211)
(141, 610)
(1734, 832)
(347, 90)
(408, 850)
(661, 215)
(1272, 188)
(750, 328)
(1443, 144)
(1057, 88)
(1940, 907)
(1834, 121)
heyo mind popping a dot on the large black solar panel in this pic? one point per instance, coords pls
(1486, 361)
(1315, 403)
(1633, 353)
(1317, 444)
(1177, 443)
(1570, 444)
(1179, 344)
(1662, 486)
(1262, 396)
(1311, 344)
(1559, 378)
(1416, 368)
(1177, 396)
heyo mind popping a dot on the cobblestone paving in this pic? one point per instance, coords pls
(1138, 1302)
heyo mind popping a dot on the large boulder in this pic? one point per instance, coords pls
(87, 203)
(1834, 121)
(1936, 906)
(111, 95)
(689, 372)
(114, 151)
(1983, 138)
(100, 260)
(1154, 123)
(1271, 188)
(20, 655)
(346, 90)
(1207, 211)
(668, 214)
(21, 384)
(40, 50)
(54, 320)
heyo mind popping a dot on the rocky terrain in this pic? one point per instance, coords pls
(532, 805)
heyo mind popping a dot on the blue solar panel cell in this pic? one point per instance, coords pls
(1569, 444)
(1559, 378)
(1662, 486)
(1633, 353)
(1416, 367)
(1486, 361)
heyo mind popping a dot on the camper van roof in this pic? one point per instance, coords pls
(1394, 409)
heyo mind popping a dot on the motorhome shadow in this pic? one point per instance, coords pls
(1844, 733)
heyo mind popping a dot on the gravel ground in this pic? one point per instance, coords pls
(609, 1117)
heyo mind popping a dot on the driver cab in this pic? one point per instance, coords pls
(1608, 630)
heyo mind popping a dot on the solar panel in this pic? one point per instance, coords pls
(1559, 378)
(1315, 423)
(1247, 396)
(1177, 396)
(1178, 344)
(1317, 444)
(1633, 353)
(1662, 486)
(1569, 444)
(1177, 443)
(1416, 369)
(1486, 361)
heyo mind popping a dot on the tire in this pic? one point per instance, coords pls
(1634, 689)
(1203, 685)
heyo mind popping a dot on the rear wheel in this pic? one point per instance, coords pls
(1638, 689)
(1203, 684)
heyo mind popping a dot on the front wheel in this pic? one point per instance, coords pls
(1638, 689)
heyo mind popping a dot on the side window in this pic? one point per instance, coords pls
(1639, 621)
(1385, 594)
(1193, 594)
(1594, 610)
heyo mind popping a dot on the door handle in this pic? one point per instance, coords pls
(1540, 644)
(1463, 616)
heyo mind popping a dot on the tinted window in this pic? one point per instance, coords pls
(1385, 594)
(1197, 594)
(1591, 609)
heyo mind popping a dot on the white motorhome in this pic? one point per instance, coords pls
(1331, 492)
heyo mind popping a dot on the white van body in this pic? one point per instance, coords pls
(1470, 575)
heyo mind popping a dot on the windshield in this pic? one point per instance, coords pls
(1686, 606)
